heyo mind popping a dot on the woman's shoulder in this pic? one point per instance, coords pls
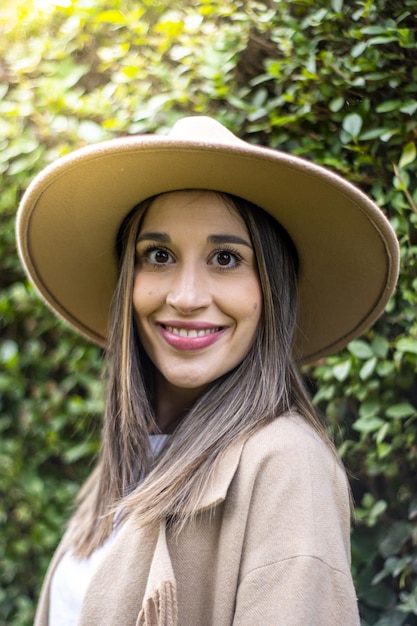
(288, 461)
(290, 444)
(288, 432)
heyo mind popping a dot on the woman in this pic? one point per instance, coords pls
(210, 269)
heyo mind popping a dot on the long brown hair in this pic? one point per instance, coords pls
(265, 385)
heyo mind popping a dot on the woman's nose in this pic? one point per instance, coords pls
(189, 290)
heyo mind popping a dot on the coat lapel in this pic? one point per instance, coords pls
(160, 606)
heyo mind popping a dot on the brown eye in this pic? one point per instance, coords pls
(224, 258)
(160, 256)
(156, 256)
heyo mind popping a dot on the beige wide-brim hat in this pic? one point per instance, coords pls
(70, 215)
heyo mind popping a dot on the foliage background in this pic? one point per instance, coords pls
(332, 81)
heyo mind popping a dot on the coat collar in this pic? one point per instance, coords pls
(224, 470)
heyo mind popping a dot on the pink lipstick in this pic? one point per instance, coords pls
(192, 336)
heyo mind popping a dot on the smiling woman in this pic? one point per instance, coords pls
(218, 498)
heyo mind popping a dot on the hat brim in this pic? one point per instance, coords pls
(70, 215)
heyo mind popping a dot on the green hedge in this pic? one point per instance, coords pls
(333, 81)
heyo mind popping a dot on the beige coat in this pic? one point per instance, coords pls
(270, 547)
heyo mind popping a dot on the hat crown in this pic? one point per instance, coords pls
(203, 128)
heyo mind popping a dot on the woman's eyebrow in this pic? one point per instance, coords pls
(154, 236)
(220, 239)
(213, 239)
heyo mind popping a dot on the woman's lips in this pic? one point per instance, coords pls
(190, 337)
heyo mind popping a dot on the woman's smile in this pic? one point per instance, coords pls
(196, 296)
(190, 337)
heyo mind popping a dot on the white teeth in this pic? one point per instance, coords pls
(192, 333)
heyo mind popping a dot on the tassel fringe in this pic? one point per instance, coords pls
(160, 609)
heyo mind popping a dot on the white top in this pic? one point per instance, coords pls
(73, 575)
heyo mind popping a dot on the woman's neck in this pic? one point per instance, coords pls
(172, 403)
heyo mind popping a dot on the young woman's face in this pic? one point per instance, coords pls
(196, 296)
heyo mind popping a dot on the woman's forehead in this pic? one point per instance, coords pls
(193, 209)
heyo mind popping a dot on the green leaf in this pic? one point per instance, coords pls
(358, 49)
(401, 410)
(375, 30)
(8, 352)
(378, 41)
(410, 108)
(368, 425)
(388, 106)
(380, 346)
(336, 104)
(408, 155)
(91, 132)
(412, 509)
(81, 450)
(368, 368)
(395, 538)
(369, 408)
(112, 16)
(407, 344)
(337, 5)
(381, 436)
(391, 566)
(341, 370)
(360, 349)
(378, 596)
(352, 124)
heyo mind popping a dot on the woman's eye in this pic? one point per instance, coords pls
(157, 256)
(226, 259)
